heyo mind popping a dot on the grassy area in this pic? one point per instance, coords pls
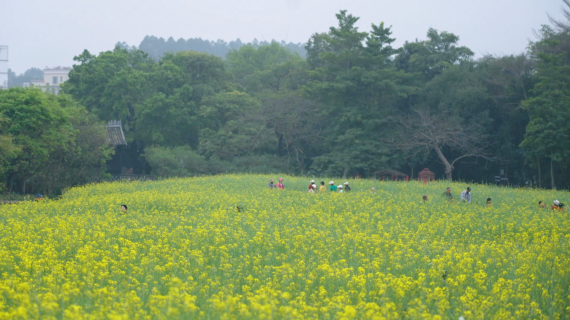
(183, 250)
(15, 197)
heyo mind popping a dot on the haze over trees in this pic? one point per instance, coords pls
(350, 103)
(157, 47)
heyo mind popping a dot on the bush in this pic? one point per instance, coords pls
(175, 162)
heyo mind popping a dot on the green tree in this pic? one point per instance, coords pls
(548, 133)
(430, 57)
(38, 126)
(82, 159)
(266, 68)
(358, 86)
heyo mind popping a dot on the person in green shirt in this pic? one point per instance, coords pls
(333, 187)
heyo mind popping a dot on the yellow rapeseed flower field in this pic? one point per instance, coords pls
(184, 251)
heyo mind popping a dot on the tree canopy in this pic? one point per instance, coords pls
(347, 103)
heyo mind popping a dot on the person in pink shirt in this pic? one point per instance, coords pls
(280, 185)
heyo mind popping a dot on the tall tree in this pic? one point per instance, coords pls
(424, 132)
(548, 133)
(38, 126)
(357, 85)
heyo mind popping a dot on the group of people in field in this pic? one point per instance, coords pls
(313, 186)
(465, 196)
(556, 205)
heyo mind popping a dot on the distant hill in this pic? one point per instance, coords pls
(157, 47)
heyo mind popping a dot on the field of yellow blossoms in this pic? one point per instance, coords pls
(183, 251)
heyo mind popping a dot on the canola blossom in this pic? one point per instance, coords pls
(184, 251)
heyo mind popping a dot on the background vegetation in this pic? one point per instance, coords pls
(348, 103)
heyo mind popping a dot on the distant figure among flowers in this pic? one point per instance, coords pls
(466, 195)
(448, 194)
(333, 187)
(558, 205)
(280, 185)
(312, 188)
(489, 202)
(124, 208)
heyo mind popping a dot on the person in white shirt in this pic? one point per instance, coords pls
(466, 195)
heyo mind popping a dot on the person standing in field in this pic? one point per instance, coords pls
(339, 188)
(39, 197)
(271, 186)
(489, 202)
(311, 185)
(447, 194)
(280, 185)
(558, 205)
(466, 195)
(425, 198)
(312, 188)
(322, 188)
(333, 187)
(347, 187)
(541, 205)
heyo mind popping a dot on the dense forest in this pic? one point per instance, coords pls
(157, 47)
(348, 103)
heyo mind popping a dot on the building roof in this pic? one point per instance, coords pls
(115, 136)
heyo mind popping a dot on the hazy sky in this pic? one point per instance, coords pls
(49, 33)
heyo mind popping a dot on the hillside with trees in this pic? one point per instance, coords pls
(350, 103)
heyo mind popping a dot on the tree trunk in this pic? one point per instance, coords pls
(344, 174)
(539, 173)
(552, 182)
(448, 166)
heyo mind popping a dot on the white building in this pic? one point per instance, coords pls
(3, 67)
(53, 77)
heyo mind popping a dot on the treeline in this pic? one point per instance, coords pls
(354, 106)
(28, 76)
(156, 48)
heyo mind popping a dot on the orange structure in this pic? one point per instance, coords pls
(426, 175)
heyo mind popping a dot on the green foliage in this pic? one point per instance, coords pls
(27, 76)
(358, 87)
(267, 68)
(51, 142)
(159, 47)
(548, 132)
(344, 110)
(175, 162)
(430, 57)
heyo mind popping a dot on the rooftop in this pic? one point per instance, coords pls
(115, 136)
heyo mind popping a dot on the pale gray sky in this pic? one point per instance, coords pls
(49, 33)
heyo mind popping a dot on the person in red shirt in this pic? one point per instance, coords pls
(558, 205)
(280, 185)
(311, 185)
